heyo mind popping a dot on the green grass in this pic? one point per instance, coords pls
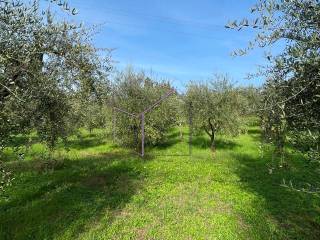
(104, 192)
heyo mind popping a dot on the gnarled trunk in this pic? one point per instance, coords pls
(211, 133)
(212, 142)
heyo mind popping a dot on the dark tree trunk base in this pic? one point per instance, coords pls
(213, 143)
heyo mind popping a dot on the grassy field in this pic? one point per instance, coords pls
(99, 191)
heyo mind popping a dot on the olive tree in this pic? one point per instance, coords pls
(295, 71)
(91, 114)
(216, 107)
(273, 117)
(134, 92)
(43, 64)
(251, 99)
(290, 105)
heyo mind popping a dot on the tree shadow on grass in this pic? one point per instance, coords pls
(170, 140)
(85, 142)
(68, 201)
(255, 134)
(254, 131)
(198, 142)
(173, 142)
(21, 140)
(202, 142)
(296, 213)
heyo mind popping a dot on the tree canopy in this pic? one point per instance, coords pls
(43, 64)
(292, 90)
(134, 92)
(216, 107)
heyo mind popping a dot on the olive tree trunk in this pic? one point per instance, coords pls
(211, 132)
(212, 142)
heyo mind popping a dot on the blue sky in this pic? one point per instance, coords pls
(175, 39)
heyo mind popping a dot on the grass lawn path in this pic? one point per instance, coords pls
(103, 192)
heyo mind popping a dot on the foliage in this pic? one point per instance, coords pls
(251, 98)
(273, 116)
(94, 115)
(43, 64)
(6, 179)
(216, 107)
(292, 92)
(134, 92)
